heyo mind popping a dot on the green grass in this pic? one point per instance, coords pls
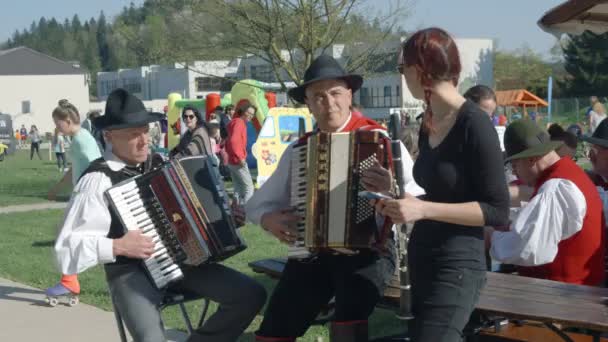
(27, 257)
(25, 181)
(27, 254)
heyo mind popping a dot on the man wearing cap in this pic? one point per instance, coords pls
(92, 234)
(558, 235)
(598, 155)
(306, 286)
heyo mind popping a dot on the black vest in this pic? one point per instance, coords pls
(117, 230)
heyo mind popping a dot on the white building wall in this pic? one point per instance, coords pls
(476, 58)
(44, 93)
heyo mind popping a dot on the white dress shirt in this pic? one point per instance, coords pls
(275, 193)
(554, 214)
(82, 242)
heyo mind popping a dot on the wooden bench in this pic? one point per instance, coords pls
(549, 303)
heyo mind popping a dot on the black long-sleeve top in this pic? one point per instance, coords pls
(467, 166)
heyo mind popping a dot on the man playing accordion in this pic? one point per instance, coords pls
(93, 234)
(307, 285)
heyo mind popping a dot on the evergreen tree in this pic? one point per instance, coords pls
(586, 62)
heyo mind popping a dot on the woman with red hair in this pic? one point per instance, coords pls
(236, 148)
(460, 168)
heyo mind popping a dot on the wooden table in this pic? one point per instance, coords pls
(516, 297)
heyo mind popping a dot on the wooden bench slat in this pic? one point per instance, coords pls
(514, 297)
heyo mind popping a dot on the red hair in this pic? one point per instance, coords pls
(435, 55)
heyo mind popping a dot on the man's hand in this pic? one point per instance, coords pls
(377, 178)
(134, 244)
(281, 224)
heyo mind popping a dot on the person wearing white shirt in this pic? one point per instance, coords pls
(93, 234)
(558, 234)
(306, 286)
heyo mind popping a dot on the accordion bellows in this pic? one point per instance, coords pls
(326, 174)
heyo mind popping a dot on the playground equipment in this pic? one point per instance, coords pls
(281, 127)
(251, 90)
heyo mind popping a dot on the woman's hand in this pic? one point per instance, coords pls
(377, 178)
(407, 210)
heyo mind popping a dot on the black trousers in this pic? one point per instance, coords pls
(443, 297)
(305, 287)
(35, 147)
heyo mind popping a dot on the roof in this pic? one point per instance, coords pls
(25, 61)
(576, 16)
(518, 97)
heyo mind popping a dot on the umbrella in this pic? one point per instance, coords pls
(576, 16)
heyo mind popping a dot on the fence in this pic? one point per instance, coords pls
(564, 111)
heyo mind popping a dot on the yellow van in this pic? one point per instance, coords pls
(281, 127)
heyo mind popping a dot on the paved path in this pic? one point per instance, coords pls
(25, 316)
(30, 207)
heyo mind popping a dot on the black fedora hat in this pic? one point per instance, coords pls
(599, 136)
(322, 68)
(124, 110)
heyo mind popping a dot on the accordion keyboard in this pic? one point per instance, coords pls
(148, 216)
(298, 199)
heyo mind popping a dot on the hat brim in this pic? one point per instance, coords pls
(132, 120)
(299, 93)
(536, 151)
(595, 141)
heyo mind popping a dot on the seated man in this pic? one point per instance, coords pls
(558, 235)
(92, 234)
(306, 286)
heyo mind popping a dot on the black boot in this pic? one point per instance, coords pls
(351, 331)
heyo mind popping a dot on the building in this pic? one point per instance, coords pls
(152, 82)
(383, 91)
(32, 83)
(196, 79)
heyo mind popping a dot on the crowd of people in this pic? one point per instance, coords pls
(543, 214)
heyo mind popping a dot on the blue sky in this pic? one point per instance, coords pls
(511, 22)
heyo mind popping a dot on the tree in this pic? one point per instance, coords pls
(289, 34)
(586, 62)
(521, 69)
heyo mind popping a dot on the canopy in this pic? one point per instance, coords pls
(576, 16)
(519, 98)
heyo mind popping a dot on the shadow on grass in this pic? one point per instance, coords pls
(49, 243)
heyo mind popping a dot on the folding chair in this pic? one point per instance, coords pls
(168, 300)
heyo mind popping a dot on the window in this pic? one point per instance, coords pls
(381, 97)
(132, 85)
(213, 84)
(267, 130)
(364, 98)
(262, 73)
(387, 92)
(25, 107)
(291, 128)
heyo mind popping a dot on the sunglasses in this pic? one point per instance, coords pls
(188, 117)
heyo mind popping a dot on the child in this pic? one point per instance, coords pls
(59, 147)
(83, 151)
